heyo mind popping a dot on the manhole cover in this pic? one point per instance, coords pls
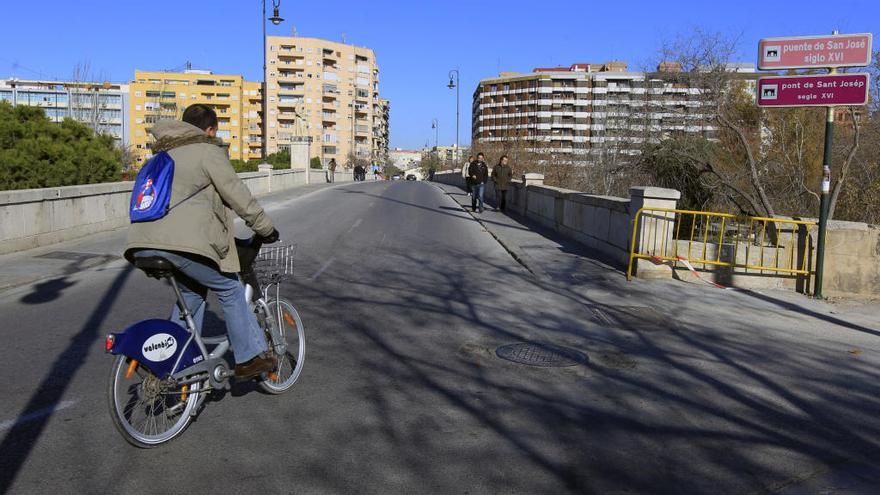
(540, 354)
(641, 318)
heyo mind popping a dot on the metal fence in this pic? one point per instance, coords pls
(758, 245)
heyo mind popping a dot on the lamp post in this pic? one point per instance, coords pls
(435, 124)
(276, 20)
(454, 83)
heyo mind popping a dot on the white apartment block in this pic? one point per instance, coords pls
(103, 106)
(587, 109)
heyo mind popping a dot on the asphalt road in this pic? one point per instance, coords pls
(405, 298)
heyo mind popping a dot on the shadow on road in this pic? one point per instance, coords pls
(26, 431)
(693, 407)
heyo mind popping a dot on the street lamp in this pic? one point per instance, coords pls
(276, 20)
(435, 124)
(454, 83)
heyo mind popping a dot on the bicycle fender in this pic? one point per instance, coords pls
(156, 344)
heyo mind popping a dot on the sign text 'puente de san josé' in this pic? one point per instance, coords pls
(802, 52)
(827, 90)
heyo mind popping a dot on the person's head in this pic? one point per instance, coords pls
(502, 160)
(470, 158)
(203, 117)
(481, 157)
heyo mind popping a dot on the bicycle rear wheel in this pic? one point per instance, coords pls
(284, 316)
(146, 410)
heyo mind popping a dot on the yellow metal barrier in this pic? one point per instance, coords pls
(776, 245)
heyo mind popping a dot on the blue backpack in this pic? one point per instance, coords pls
(151, 195)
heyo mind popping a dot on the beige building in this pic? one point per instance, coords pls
(334, 87)
(156, 96)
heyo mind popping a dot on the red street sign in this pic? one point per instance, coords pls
(803, 52)
(813, 91)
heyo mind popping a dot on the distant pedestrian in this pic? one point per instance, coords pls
(478, 172)
(502, 174)
(332, 167)
(465, 174)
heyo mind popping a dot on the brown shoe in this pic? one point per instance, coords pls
(261, 363)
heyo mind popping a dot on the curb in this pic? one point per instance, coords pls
(515, 252)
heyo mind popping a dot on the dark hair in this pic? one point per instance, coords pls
(480, 154)
(470, 156)
(501, 159)
(201, 116)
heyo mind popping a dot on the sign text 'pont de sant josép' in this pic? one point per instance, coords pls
(814, 90)
(803, 52)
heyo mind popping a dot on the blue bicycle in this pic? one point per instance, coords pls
(164, 370)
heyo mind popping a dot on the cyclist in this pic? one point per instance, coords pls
(197, 235)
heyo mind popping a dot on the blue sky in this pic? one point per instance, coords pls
(416, 42)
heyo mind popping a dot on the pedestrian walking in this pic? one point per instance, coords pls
(502, 174)
(332, 167)
(478, 172)
(464, 174)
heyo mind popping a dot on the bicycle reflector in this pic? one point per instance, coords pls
(108, 344)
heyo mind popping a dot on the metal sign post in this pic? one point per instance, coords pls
(805, 52)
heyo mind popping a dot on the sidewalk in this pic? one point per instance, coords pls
(65, 258)
(564, 263)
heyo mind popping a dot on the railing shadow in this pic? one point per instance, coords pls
(22, 437)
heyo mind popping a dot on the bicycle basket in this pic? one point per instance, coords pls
(275, 263)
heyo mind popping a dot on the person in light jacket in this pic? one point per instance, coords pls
(464, 174)
(197, 236)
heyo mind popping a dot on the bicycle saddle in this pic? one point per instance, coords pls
(154, 266)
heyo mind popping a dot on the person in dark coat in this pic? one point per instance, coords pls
(502, 174)
(478, 173)
(332, 167)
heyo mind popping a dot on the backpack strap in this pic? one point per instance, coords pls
(187, 198)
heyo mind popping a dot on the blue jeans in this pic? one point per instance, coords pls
(477, 191)
(244, 332)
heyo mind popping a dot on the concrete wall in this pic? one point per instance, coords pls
(36, 217)
(604, 224)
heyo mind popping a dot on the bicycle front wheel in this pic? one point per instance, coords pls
(146, 410)
(289, 325)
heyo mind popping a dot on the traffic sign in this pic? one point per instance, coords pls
(804, 52)
(809, 91)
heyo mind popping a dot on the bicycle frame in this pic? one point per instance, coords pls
(190, 364)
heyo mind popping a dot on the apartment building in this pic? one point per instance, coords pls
(584, 110)
(157, 96)
(335, 87)
(381, 130)
(449, 156)
(103, 106)
(405, 159)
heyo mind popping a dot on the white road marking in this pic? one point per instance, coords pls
(356, 224)
(39, 413)
(325, 266)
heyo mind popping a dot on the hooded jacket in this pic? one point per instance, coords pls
(201, 225)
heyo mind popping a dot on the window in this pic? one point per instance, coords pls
(223, 134)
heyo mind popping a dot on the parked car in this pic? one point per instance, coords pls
(410, 177)
(395, 177)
